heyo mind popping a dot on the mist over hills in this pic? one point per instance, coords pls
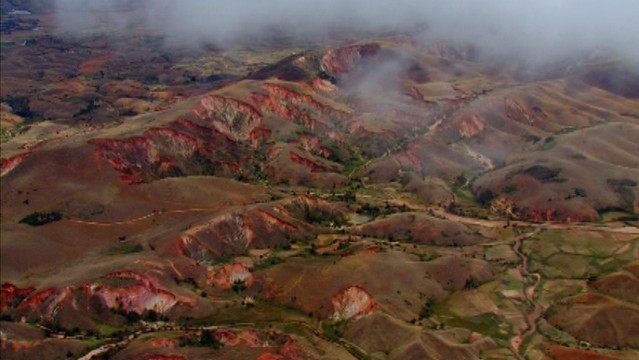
(533, 31)
(293, 180)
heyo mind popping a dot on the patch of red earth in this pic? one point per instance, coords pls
(233, 118)
(323, 85)
(418, 98)
(352, 303)
(189, 246)
(356, 124)
(235, 233)
(313, 144)
(148, 295)
(290, 351)
(172, 151)
(11, 163)
(11, 296)
(208, 240)
(563, 353)
(329, 248)
(124, 89)
(204, 133)
(142, 294)
(166, 357)
(293, 106)
(259, 135)
(337, 62)
(16, 346)
(451, 105)
(230, 274)
(270, 356)
(35, 301)
(408, 159)
(128, 156)
(475, 337)
(274, 153)
(270, 291)
(559, 215)
(177, 142)
(373, 249)
(310, 164)
(470, 125)
(93, 66)
(165, 343)
(517, 112)
(250, 338)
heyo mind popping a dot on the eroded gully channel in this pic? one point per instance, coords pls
(531, 282)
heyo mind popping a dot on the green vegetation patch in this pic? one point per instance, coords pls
(333, 332)
(543, 174)
(268, 263)
(41, 218)
(487, 324)
(127, 248)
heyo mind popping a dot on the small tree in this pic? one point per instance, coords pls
(239, 286)
(208, 339)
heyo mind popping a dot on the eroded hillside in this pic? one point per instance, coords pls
(374, 198)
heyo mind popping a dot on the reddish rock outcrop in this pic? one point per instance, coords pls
(230, 274)
(11, 296)
(310, 164)
(250, 338)
(293, 351)
(233, 118)
(290, 351)
(178, 143)
(337, 62)
(291, 105)
(130, 157)
(352, 303)
(165, 343)
(182, 148)
(313, 145)
(559, 214)
(146, 294)
(233, 234)
(517, 112)
(128, 291)
(408, 160)
(11, 163)
(324, 85)
(471, 125)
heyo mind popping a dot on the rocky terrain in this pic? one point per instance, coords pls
(369, 198)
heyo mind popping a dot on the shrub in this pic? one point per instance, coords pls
(39, 219)
(580, 192)
(239, 286)
(427, 310)
(208, 339)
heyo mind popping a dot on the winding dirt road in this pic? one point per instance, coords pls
(147, 216)
(353, 349)
(440, 212)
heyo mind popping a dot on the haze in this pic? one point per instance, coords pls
(535, 31)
